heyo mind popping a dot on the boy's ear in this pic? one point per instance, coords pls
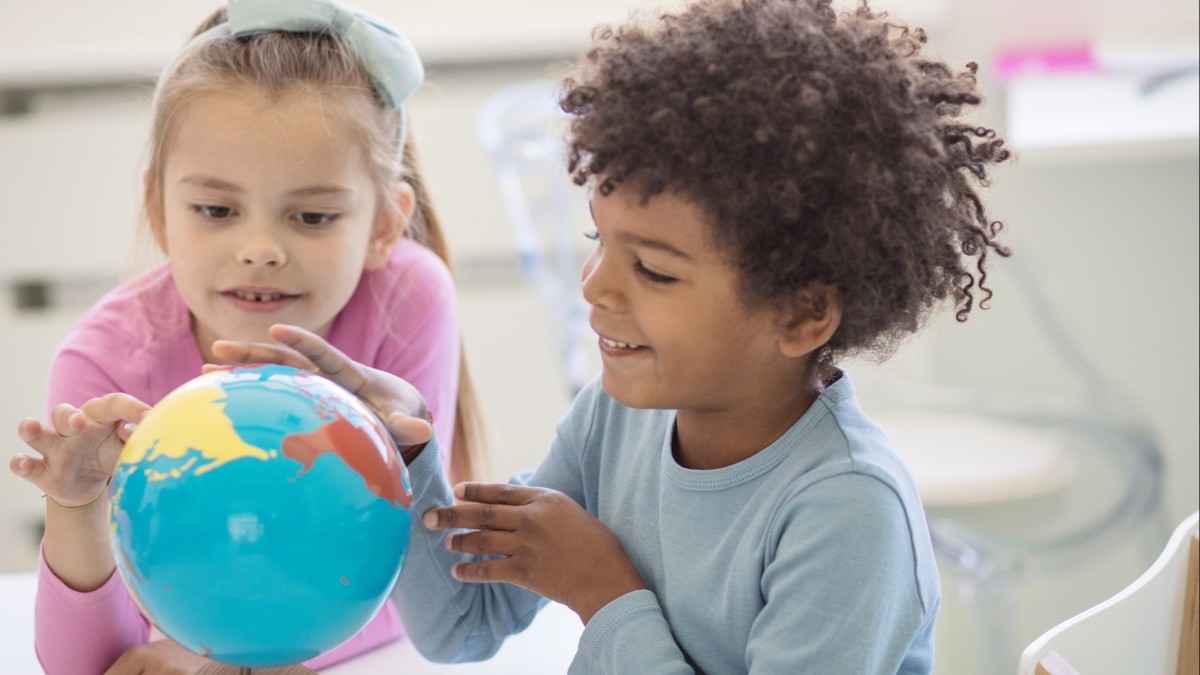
(390, 226)
(154, 211)
(814, 318)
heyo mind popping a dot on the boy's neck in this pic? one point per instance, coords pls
(706, 440)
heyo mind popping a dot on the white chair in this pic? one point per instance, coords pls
(521, 128)
(1019, 485)
(1149, 628)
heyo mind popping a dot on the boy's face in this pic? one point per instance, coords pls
(269, 213)
(674, 333)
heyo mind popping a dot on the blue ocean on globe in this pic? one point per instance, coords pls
(260, 516)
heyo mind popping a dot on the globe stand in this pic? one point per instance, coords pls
(226, 669)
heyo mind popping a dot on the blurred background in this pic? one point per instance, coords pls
(1097, 97)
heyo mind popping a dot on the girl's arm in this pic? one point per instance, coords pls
(84, 619)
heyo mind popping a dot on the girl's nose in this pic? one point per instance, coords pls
(261, 250)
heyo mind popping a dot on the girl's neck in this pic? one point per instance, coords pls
(714, 439)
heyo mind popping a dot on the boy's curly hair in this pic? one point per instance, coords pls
(824, 147)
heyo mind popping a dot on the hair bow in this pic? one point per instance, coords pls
(388, 57)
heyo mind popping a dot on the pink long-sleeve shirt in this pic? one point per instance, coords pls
(138, 339)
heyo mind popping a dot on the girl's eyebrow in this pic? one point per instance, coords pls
(212, 183)
(319, 190)
(218, 184)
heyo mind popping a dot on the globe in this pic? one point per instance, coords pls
(259, 516)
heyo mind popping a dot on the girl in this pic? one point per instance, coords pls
(774, 186)
(280, 187)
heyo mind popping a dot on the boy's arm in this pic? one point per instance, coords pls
(448, 620)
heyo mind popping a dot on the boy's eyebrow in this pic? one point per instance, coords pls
(645, 242)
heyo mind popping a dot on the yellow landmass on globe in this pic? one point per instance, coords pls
(204, 429)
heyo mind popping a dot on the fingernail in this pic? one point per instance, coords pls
(460, 490)
(430, 520)
(448, 542)
(128, 427)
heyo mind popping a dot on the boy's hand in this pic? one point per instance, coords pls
(80, 452)
(549, 545)
(396, 402)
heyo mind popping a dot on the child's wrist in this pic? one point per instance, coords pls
(85, 505)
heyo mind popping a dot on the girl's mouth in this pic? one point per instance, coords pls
(259, 300)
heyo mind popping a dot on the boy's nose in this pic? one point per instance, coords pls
(597, 286)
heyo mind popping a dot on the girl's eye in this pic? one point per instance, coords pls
(652, 276)
(315, 219)
(594, 235)
(213, 212)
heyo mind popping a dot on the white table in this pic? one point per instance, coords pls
(545, 648)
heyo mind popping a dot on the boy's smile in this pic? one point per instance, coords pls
(675, 334)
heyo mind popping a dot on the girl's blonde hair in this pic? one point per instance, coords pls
(276, 63)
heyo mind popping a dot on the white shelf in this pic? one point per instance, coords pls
(1126, 111)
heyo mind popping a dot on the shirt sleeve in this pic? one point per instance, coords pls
(76, 376)
(80, 633)
(447, 620)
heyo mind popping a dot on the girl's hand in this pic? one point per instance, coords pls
(162, 657)
(80, 452)
(396, 402)
(549, 545)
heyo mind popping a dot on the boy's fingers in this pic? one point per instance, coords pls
(482, 542)
(499, 569)
(408, 431)
(236, 353)
(328, 359)
(495, 493)
(471, 517)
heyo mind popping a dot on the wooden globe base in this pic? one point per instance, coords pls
(225, 669)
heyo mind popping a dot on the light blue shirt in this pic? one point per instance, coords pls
(812, 556)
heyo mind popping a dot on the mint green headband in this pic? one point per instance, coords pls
(387, 56)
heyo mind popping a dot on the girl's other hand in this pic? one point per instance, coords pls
(79, 453)
(396, 402)
(547, 542)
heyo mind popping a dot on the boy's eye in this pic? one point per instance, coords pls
(213, 212)
(652, 276)
(594, 235)
(316, 219)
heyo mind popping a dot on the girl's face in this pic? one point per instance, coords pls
(269, 213)
(674, 332)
